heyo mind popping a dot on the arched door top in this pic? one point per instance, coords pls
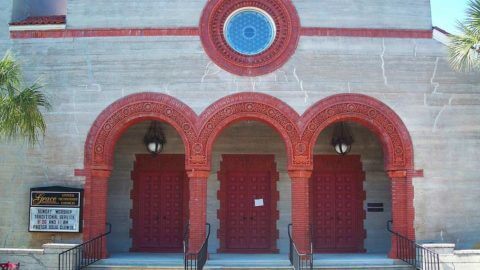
(200, 132)
(127, 111)
(370, 112)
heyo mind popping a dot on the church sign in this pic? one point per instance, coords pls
(56, 209)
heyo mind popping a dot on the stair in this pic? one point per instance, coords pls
(358, 262)
(249, 262)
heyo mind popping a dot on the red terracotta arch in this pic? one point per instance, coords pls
(129, 110)
(103, 135)
(248, 106)
(199, 133)
(368, 111)
(394, 137)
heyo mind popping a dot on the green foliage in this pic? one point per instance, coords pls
(464, 49)
(20, 105)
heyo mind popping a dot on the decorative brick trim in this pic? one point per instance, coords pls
(366, 32)
(246, 106)
(132, 109)
(371, 113)
(105, 32)
(195, 31)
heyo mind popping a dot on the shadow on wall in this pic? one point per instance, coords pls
(28, 8)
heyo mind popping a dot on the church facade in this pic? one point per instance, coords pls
(333, 116)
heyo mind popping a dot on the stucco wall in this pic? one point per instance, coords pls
(395, 14)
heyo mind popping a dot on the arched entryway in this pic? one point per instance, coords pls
(198, 133)
(103, 136)
(394, 137)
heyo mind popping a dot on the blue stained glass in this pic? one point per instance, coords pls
(249, 31)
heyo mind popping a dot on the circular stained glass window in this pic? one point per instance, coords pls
(249, 31)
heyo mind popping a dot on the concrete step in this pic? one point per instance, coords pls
(139, 261)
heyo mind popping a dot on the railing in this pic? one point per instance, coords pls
(414, 254)
(84, 254)
(298, 260)
(195, 261)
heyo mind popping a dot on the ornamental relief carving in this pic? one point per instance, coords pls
(299, 132)
(287, 32)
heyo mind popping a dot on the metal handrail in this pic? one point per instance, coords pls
(297, 259)
(84, 254)
(414, 254)
(196, 261)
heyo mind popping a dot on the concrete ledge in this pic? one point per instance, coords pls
(440, 248)
(20, 251)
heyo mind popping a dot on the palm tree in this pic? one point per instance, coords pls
(20, 105)
(464, 49)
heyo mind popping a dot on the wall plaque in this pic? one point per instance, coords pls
(56, 209)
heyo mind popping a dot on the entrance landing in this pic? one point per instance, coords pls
(141, 261)
(357, 260)
(248, 261)
(163, 261)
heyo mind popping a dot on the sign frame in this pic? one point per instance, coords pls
(78, 193)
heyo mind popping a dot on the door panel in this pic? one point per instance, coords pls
(337, 204)
(244, 227)
(158, 203)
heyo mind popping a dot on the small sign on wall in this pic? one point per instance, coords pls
(375, 207)
(259, 202)
(56, 209)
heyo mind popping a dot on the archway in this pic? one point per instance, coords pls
(101, 140)
(198, 133)
(394, 137)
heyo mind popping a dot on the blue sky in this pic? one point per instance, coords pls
(445, 13)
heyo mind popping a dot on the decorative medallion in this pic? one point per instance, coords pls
(249, 38)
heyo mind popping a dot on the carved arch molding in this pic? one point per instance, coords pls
(299, 133)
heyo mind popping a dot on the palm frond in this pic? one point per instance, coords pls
(10, 73)
(473, 16)
(21, 116)
(463, 49)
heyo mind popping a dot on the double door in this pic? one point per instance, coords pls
(248, 223)
(337, 204)
(158, 205)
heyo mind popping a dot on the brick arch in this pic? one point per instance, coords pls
(102, 137)
(119, 116)
(394, 137)
(368, 111)
(248, 106)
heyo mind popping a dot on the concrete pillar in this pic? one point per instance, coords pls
(95, 206)
(301, 213)
(197, 209)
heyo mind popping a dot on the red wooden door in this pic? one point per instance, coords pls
(158, 211)
(246, 227)
(337, 204)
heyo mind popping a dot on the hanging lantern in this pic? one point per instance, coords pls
(342, 139)
(154, 139)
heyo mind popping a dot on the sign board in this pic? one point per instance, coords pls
(56, 209)
(259, 202)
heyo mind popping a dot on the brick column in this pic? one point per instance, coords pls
(402, 207)
(197, 209)
(95, 206)
(301, 217)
